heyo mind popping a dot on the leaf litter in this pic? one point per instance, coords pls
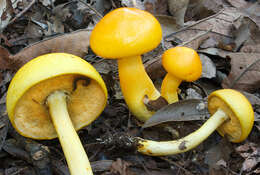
(225, 33)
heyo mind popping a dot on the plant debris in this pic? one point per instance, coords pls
(226, 34)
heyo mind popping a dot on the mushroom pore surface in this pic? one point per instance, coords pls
(85, 103)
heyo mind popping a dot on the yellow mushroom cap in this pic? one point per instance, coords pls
(45, 74)
(183, 63)
(239, 110)
(125, 32)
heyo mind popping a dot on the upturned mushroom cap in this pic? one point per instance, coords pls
(239, 110)
(183, 63)
(43, 75)
(125, 32)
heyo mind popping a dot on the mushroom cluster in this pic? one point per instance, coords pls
(126, 33)
(56, 95)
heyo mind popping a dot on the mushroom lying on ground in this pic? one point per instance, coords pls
(124, 34)
(232, 116)
(55, 95)
(181, 63)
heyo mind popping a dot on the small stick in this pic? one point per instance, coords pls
(22, 12)
(93, 9)
(196, 37)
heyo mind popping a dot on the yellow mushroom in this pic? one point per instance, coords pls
(124, 34)
(55, 95)
(232, 115)
(182, 64)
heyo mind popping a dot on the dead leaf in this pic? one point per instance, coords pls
(120, 166)
(199, 9)
(101, 165)
(244, 74)
(252, 160)
(208, 67)
(222, 23)
(75, 43)
(237, 3)
(185, 110)
(168, 24)
(218, 155)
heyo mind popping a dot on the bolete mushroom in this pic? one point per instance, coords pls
(182, 64)
(124, 34)
(55, 95)
(232, 115)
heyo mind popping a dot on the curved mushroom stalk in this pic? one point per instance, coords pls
(184, 144)
(135, 85)
(232, 115)
(75, 154)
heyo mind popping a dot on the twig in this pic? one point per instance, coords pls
(196, 37)
(22, 12)
(196, 23)
(93, 9)
(242, 73)
(176, 164)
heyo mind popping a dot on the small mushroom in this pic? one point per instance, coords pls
(55, 95)
(232, 115)
(124, 34)
(182, 64)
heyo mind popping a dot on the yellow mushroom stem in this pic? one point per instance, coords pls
(75, 154)
(169, 88)
(135, 84)
(164, 148)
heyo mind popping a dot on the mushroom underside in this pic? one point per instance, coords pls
(232, 127)
(32, 119)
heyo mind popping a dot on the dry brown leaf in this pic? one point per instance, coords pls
(250, 79)
(237, 3)
(222, 23)
(199, 9)
(76, 43)
(120, 167)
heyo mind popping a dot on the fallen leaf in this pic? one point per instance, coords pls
(120, 166)
(208, 67)
(251, 161)
(244, 74)
(101, 165)
(76, 43)
(168, 24)
(237, 3)
(199, 9)
(185, 110)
